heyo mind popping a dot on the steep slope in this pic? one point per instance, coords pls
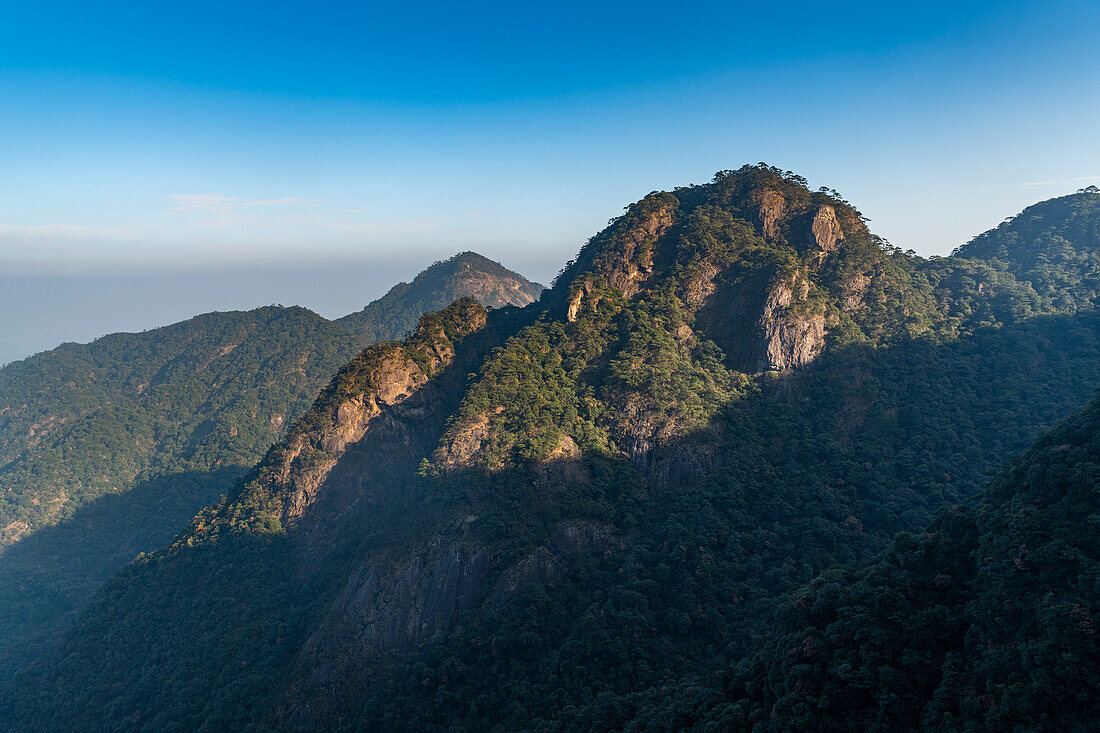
(545, 522)
(397, 393)
(107, 449)
(82, 420)
(985, 621)
(1054, 244)
(467, 274)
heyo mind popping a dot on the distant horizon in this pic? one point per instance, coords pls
(85, 303)
(140, 140)
(143, 300)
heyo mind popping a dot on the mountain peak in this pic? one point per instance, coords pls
(466, 274)
(758, 204)
(1054, 244)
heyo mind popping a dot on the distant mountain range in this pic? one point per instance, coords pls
(108, 448)
(722, 475)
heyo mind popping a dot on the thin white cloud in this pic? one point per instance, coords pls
(383, 228)
(1060, 181)
(205, 203)
(218, 204)
(278, 202)
(63, 231)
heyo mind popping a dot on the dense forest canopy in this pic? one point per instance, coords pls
(983, 621)
(1055, 245)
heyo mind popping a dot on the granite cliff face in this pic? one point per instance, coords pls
(789, 339)
(623, 257)
(377, 382)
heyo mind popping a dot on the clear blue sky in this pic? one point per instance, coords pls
(183, 142)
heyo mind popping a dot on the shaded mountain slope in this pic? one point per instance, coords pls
(467, 274)
(112, 446)
(547, 521)
(985, 621)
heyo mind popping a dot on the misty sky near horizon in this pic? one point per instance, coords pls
(162, 160)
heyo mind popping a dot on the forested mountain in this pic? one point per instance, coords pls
(1054, 244)
(107, 449)
(86, 420)
(467, 274)
(582, 514)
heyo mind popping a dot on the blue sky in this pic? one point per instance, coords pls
(190, 140)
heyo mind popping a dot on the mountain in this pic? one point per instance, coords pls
(107, 449)
(984, 621)
(581, 514)
(82, 420)
(467, 274)
(1054, 244)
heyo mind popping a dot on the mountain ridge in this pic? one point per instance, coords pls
(174, 414)
(733, 387)
(1055, 244)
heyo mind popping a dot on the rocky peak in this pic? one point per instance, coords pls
(467, 274)
(656, 232)
(622, 257)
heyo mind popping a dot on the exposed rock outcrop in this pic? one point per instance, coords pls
(765, 327)
(310, 456)
(467, 441)
(826, 231)
(397, 608)
(625, 259)
(772, 210)
(852, 291)
(562, 467)
(789, 340)
(288, 481)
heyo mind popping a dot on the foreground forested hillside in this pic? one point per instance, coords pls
(983, 621)
(107, 449)
(585, 514)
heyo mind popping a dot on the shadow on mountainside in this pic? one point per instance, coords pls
(50, 576)
(629, 579)
(519, 601)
